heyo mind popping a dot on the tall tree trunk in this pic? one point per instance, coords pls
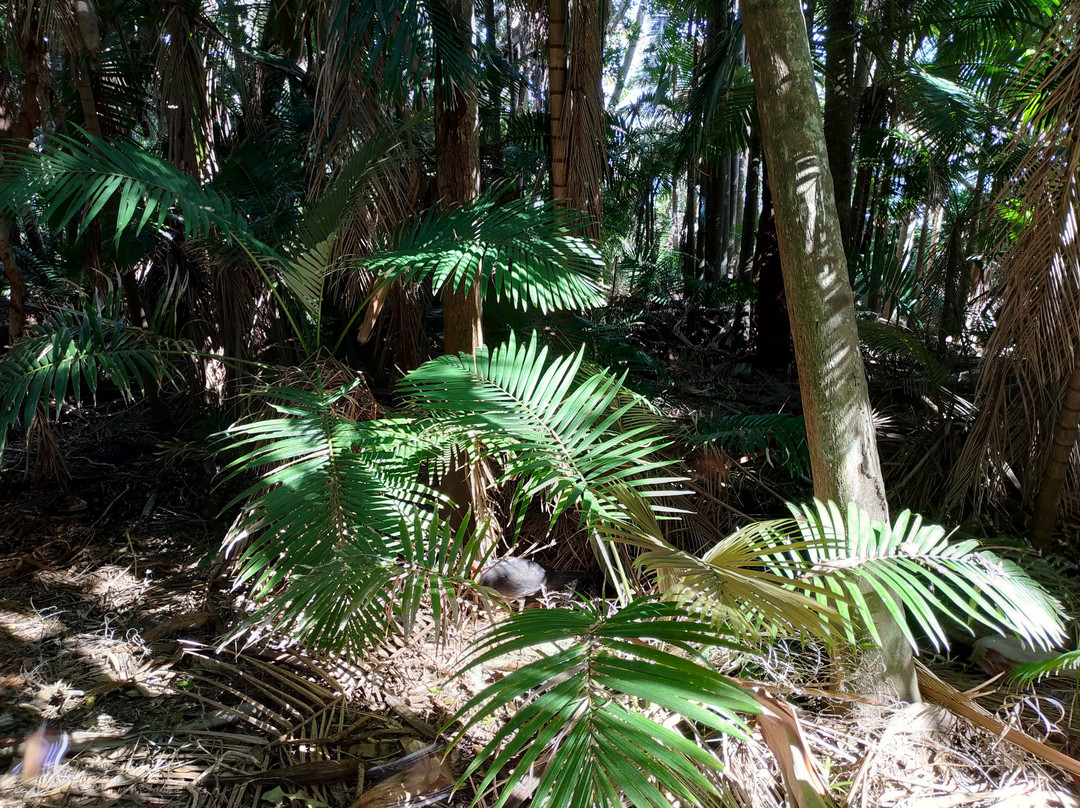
(1052, 480)
(751, 205)
(832, 380)
(457, 175)
(20, 111)
(557, 100)
(491, 124)
(689, 229)
(584, 111)
(16, 287)
(628, 57)
(840, 106)
(772, 324)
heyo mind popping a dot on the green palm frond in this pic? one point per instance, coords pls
(880, 275)
(885, 338)
(552, 429)
(68, 176)
(1030, 672)
(70, 353)
(391, 41)
(324, 482)
(912, 565)
(373, 586)
(581, 717)
(732, 587)
(814, 573)
(779, 438)
(526, 250)
(948, 116)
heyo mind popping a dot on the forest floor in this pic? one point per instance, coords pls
(113, 604)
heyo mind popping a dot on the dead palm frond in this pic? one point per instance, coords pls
(1036, 345)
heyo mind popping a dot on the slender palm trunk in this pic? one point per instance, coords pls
(832, 380)
(840, 105)
(628, 57)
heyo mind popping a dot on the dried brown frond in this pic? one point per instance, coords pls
(1036, 344)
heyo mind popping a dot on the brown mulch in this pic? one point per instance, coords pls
(110, 615)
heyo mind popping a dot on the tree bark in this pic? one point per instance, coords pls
(832, 380)
(457, 174)
(557, 106)
(20, 112)
(628, 57)
(840, 105)
(457, 177)
(1052, 481)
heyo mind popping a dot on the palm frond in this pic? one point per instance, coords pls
(732, 587)
(373, 586)
(779, 438)
(581, 716)
(525, 250)
(69, 353)
(913, 565)
(886, 338)
(324, 482)
(1029, 672)
(553, 430)
(69, 175)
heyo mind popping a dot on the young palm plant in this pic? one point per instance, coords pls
(595, 726)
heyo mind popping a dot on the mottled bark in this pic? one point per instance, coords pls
(832, 380)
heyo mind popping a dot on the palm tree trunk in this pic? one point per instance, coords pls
(17, 127)
(457, 173)
(628, 57)
(1052, 481)
(557, 100)
(840, 105)
(832, 380)
(16, 287)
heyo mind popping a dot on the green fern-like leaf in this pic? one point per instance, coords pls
(581, 706)
(1030, 672)
(525, 250)
(556, 433)
(324, 482)
(69, 354)
(912, 566)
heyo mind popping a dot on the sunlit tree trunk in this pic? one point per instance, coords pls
(575, 64)
(457, 175)
(832, 380)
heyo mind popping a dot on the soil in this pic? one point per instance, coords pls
(113, 609)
